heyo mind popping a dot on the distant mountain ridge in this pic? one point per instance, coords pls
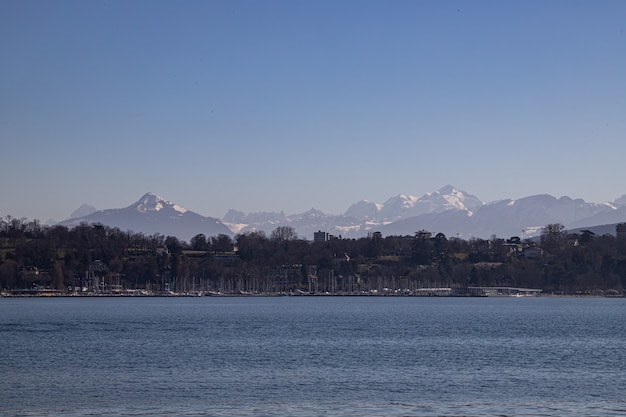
(448, 210)
(405, 206)
(152, 214)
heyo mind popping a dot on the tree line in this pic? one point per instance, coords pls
(99, 258)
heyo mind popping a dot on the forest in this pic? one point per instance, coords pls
(92, 259)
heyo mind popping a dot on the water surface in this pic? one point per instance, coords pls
(313, 356)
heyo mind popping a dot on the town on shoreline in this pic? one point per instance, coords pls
(97, 260)
(420, 292)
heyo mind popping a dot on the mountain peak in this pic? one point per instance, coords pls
(152, 202)
(153, 214)
(313, 213)
(620, 201)
(448, 189)
(82, 211)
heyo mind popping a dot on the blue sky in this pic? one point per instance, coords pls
(289, 105)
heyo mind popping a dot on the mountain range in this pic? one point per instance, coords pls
(448, 210)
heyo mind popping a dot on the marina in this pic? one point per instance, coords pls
(386, 292)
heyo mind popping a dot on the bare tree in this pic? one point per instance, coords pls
(283, 233)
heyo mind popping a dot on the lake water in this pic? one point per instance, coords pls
(312, 356)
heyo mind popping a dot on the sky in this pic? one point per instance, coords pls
(292, 105)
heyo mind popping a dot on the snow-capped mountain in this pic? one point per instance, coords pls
(152, 214)
(620, 201)
(150, 202)
(506, 218)
(448, 210)
(404, 206)
(445, 199)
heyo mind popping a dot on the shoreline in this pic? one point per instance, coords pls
(55, 294)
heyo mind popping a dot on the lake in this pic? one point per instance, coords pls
(313, 356)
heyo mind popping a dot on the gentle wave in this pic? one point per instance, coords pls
(331, 357)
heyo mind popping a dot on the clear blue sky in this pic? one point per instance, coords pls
(289, 105)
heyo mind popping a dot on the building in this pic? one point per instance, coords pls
(620, 230)
(322, 236)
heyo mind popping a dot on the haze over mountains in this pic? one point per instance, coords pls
(448, 210)
(152, 214)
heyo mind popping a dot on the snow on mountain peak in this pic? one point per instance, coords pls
(620, 201)
(448, 198)
(152, 202)
(459, 199)
(401, 201)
